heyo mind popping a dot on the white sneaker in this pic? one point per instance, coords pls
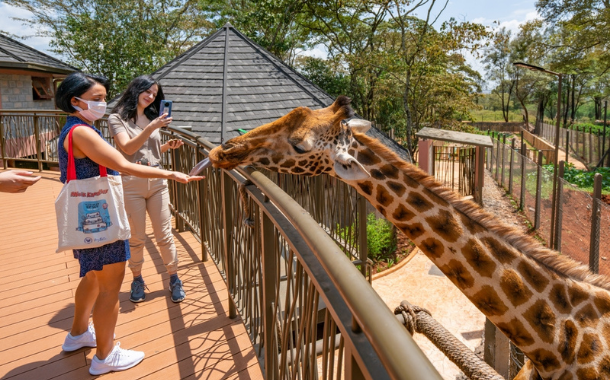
(86, 339)
(118, 360)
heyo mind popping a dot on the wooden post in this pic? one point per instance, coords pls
(497, 159)
(37, 137)
(479, 175)
(523, 176)
(590, 145)
(2, 142)
(497, 351)
(269, 270)
(503, 160)
(203, 224)
(510, 166)
(595, 224)
(362, 234)
(559, 214)
(538, 191)
(567, 144)
(227, 218)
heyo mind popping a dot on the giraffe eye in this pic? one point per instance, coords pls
(299, 149)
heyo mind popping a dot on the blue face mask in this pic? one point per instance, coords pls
(96, 110)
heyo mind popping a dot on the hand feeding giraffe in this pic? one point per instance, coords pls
(549, 306)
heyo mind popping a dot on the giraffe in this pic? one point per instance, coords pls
(549, 306)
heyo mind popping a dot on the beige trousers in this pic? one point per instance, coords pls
(152, 195)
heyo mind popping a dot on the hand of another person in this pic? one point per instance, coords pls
(17, 181)
(174, 144)
(184, 178)
(160, 122)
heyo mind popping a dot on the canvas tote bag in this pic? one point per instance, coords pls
(90, 212)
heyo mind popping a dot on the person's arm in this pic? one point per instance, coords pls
(17, 181)
(89, 143)
(171, 144)
(132, 145)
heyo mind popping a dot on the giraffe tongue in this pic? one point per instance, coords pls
(205, 163)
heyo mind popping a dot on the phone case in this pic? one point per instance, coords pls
(166, 106)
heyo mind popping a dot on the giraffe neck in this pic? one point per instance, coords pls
(539, 309)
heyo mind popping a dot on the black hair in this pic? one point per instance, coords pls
(127, 106)
(76, 84)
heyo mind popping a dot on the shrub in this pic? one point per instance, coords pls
(380, 237)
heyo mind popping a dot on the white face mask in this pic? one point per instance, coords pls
(95, 111)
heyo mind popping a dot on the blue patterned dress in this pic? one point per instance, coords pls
(91, 258)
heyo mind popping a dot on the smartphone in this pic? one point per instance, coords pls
(166, 106)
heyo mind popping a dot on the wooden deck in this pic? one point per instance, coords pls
(194, 339)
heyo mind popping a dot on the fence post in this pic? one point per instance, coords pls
(590, 145)
(2, 142)
(203, 225)
(227, 217)
(538, 191)
(523, 166)
(497, 159)
(567, 144)
(496, 352)
(510, 168)
(503, 160)
(595, 224)
(37, 137)
(269, 270)
(362, 236)
(177, 192)
(559, 212)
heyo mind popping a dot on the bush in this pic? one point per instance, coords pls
(584, 179)
(379, 237)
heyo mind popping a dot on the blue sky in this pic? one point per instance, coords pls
(508, 13)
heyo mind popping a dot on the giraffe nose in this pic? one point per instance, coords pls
(226, 146)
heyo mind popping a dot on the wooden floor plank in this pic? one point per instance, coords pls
(192, 339)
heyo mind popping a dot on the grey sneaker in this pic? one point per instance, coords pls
(137, 291)
(175, 288)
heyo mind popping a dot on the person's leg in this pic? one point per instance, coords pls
(84, 299)
(157, 205)
(106, 308)
(161, 219)
(134, 192)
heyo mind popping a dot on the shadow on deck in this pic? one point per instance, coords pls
(194, 339)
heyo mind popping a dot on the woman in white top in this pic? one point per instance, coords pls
(135, 124)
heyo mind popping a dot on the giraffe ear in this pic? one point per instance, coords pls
(348, 168)
(359, 125)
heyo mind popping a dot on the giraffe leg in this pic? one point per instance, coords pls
(243, 196)
(528, 372)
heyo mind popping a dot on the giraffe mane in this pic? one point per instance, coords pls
(530, 247)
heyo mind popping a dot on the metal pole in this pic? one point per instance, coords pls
(595, 225)
(269, 266)
(227, 207)
(555, 171)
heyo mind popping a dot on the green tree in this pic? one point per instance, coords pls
(497, 59)
(119, 39)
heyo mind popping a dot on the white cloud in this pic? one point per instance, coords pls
(8, 24)
(319, 51)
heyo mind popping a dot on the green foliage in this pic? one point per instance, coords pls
(322, 73)
(379, 237)
(119, 39)
(585, 179)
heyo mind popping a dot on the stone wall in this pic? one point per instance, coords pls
(16, 93)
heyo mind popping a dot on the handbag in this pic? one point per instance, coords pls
(90, 212)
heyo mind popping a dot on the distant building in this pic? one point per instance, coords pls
(28, 77)
(227, 84)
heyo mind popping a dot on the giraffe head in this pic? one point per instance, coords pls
(304, 141)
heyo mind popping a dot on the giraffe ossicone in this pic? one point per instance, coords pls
(551, 307)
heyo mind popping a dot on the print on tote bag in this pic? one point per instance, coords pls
(93, 216)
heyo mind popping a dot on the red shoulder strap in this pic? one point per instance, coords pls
(71, 174)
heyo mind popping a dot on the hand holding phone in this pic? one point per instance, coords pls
(166, 107)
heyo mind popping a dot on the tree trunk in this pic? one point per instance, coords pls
(407, 108)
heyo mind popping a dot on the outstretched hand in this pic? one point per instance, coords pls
(184, 178)
(17, 181)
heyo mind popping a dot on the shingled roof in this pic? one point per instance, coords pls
(15, 55)
(228, 83)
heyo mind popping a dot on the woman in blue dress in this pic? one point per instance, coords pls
(102, 269)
